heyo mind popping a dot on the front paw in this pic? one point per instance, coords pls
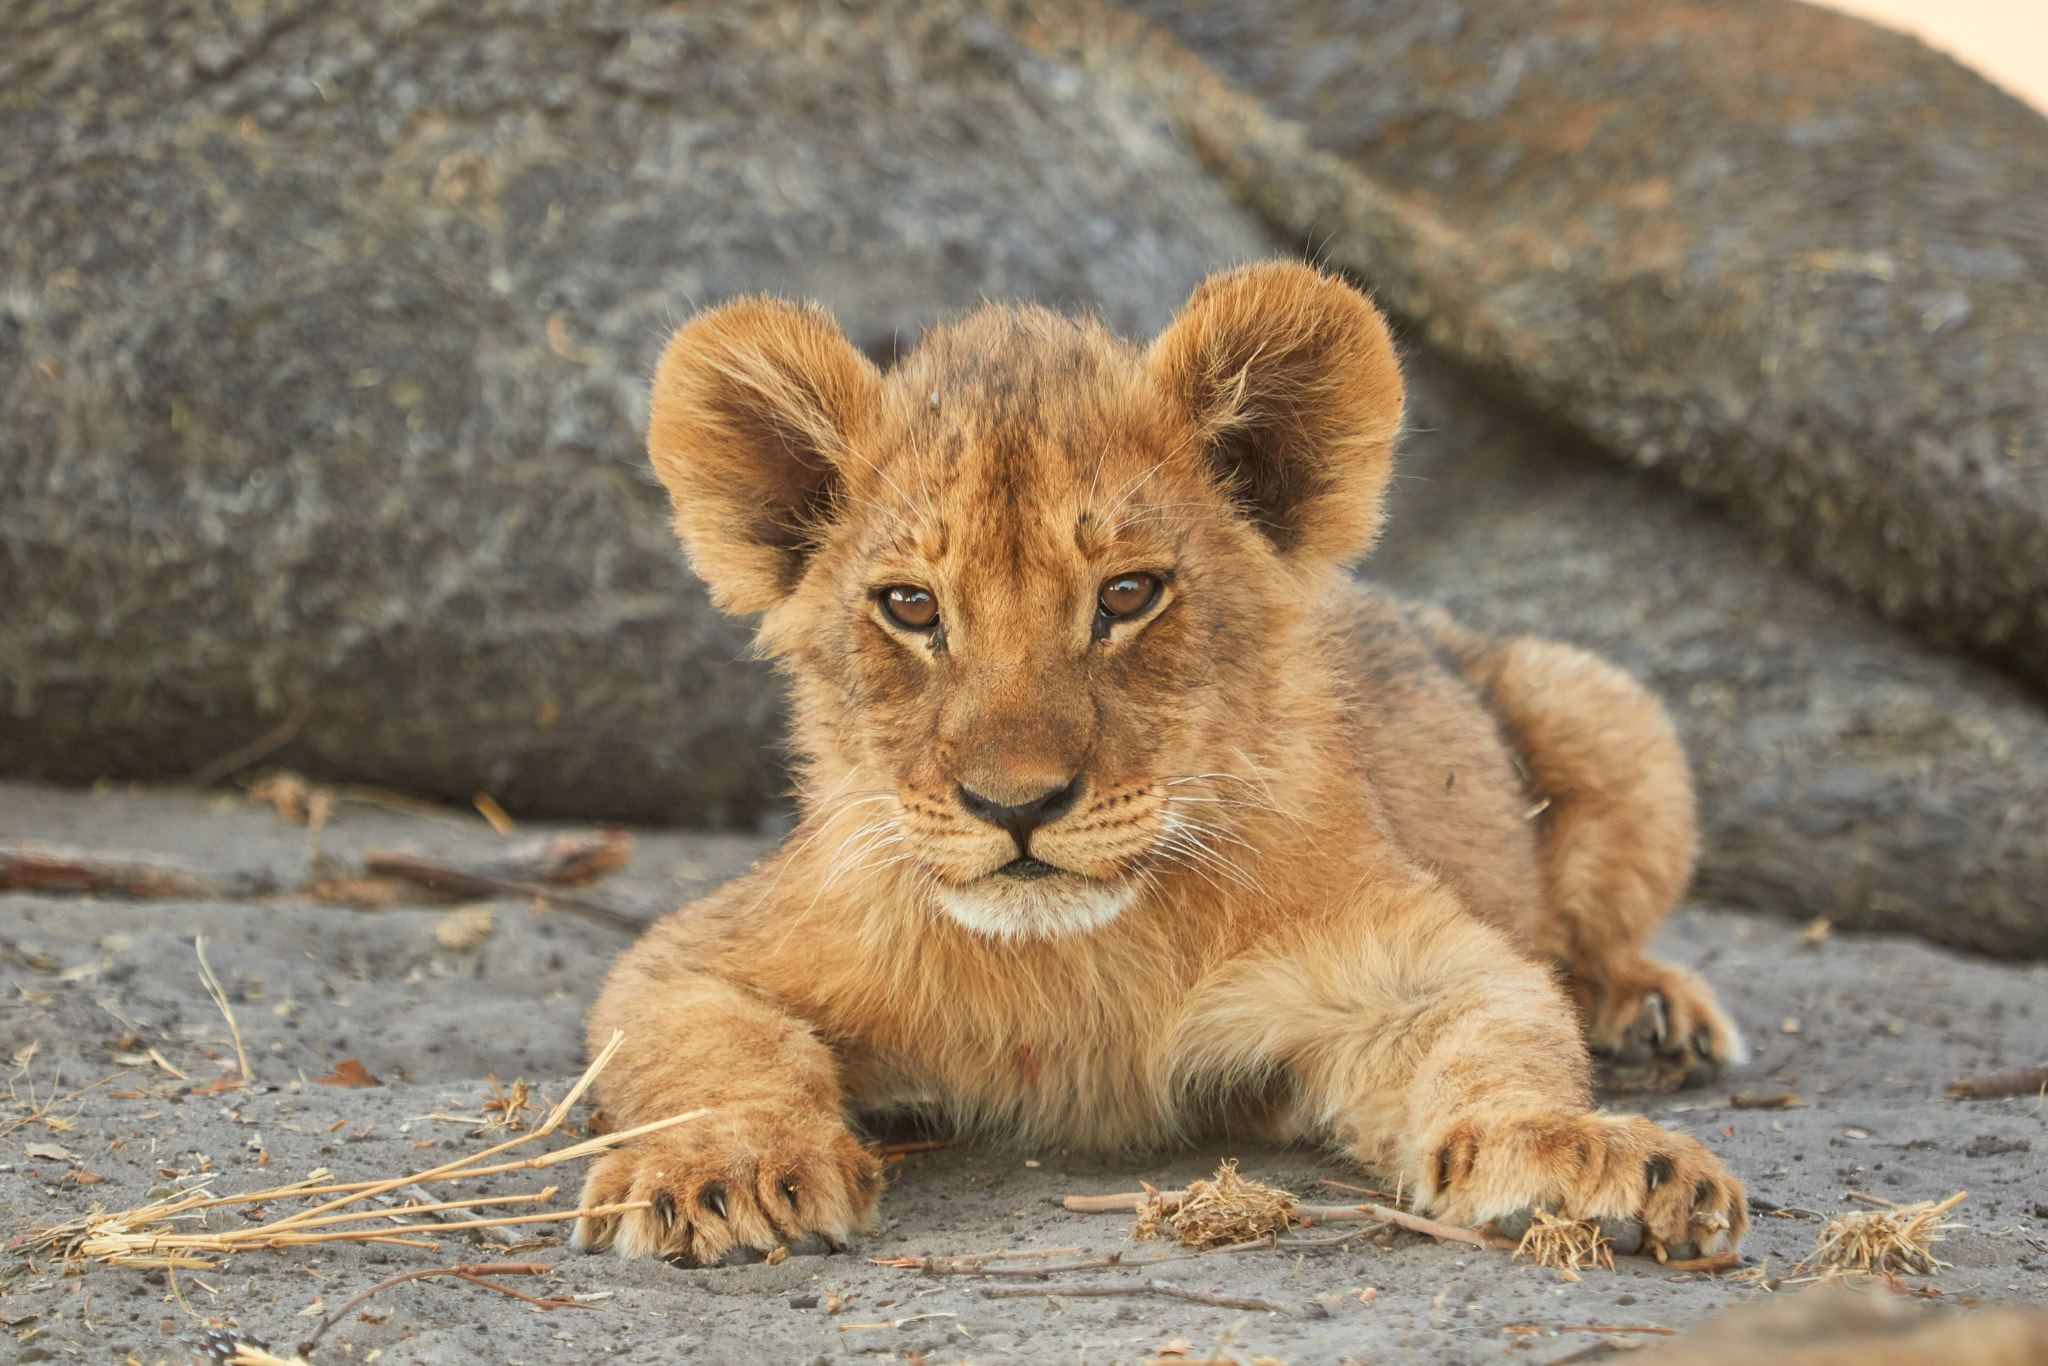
(1611, 1168)
(726, 1188)
(1661, 1030)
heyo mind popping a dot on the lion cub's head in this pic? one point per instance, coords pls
(1039, 591)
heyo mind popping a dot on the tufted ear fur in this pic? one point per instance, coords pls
(755, 404)
(1291, 380)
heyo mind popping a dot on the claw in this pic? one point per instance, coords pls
(665, 1210)
(1657, 1170)
(1659, 1012)
(712, 1198)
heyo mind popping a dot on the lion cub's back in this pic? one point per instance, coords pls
(1440, 764)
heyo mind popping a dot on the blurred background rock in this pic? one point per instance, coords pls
(324, 332)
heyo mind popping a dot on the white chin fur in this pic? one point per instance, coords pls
(1038, 908)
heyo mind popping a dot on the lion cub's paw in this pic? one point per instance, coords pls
(726, 1190)
(1612, 1168)
(1662, 1032)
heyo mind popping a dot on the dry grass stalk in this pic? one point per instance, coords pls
(1216, 1213)
(145, 1236)
(1886, 1240)
(505, 1108)
(1567, 1245)
(220, 998)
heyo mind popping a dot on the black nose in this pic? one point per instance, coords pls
(1025, 817)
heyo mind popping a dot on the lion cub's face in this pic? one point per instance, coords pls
(1033, 584)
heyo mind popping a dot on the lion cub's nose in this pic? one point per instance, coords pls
(1020, 820)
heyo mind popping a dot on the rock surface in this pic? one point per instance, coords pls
(1794, 259)
(324, 331)
(1844, 769)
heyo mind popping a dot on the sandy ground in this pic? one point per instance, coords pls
(1865, 1030)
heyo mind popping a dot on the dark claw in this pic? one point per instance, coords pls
(665, 1210)
(1657, 1170)
(1659, 1012)
(712, 1198)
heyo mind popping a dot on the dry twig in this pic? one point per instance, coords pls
(1146, 1287)
(1224, 1210)
(1564, 1244)
(1305, 1215)
(49, 869)
(220, 998)
(2025, 1082)
(1782, 1100)
(444, 877)
(145, 1236)
(1891, 1238)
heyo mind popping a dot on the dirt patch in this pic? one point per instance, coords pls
(1864, 1031)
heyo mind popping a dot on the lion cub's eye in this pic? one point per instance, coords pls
(914, 609)
(1127, 595)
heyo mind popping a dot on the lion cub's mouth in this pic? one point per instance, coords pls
(1028, 898)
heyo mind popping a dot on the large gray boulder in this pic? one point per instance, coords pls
(1845, 770)
(1798, 261)
(324, 331)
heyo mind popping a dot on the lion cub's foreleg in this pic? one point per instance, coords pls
(772, 1164)
(1617, 850)
(1428, 1046)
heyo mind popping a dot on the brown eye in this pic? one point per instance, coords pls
(1126, 595)
(914, 609)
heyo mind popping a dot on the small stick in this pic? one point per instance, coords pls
(1362, 1190)
(1167, 1288)
(1130, 1201)
(2024, 1082)
(465, 1270)
(55, 869)
(1415, 1223)
(917, 1145)
(220, 998)
(1309, 1214)
(1783, 1100)
(931, 1267)
(1869, 1199)
(442, 877)
(1720, 1261)
(1614, 1328)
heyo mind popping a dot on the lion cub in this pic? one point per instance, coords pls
(1127, 813)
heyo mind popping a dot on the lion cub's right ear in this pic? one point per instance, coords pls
(755, 406)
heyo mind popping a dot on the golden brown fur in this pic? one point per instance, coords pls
(1288, 867)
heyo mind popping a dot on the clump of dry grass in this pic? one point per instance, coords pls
(1216, 1213)
(1889, 1239)
(149, 1237)
(1566, 1245)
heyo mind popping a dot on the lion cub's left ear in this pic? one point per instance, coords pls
(1291, 380)
(756, 406)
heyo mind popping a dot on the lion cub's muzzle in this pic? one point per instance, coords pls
(1032, 896)
(1021, 819)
